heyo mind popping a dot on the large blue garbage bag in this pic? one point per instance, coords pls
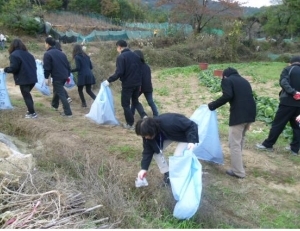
(4, 97)
(41, 84)
(209, 147)
(185, 174)
(102, 110)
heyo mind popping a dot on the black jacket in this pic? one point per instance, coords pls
(128, 69)
(146, 79)
(238, 92)
(290, 84)
(23, 67)
(175, 127)
(56, 64)
(84, 68)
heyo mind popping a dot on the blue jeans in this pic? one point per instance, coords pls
(59, 93)
(149, 98)
(127, 94)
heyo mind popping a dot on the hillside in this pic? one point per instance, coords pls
(101, 162)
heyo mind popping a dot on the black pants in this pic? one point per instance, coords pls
(284, 115)
(88, 89)
(25, 91)
(131, 94)
(59, 93)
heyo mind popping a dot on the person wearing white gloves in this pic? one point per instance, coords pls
(158, 133)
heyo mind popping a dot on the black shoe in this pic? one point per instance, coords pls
(231, 173)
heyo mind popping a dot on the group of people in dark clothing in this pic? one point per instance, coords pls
(57, 70)
(159, 131)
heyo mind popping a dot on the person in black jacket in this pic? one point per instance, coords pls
(57, 65)
(128, 70)
(238, 92)
(85, 75)
(288, 109)
(146, 87)
(23, 67)
(58, 46)
(158, 133)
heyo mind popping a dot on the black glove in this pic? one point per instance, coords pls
(6, 69)
(211, 107)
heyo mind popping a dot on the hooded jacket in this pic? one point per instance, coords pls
(238, 92)
(173, 126)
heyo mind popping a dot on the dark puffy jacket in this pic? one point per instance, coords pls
(128, 69)
(238, 92)
(56, 64)
(175, 127)
(146, 79)
(84, 68)
(290, 83)
(23, 67)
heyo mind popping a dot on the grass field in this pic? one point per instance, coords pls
(102, 161)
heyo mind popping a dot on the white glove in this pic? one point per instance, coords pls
(106, 83)
(142, 174)
(190, 146)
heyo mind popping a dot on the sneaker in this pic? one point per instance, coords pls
(145, 117)
(64, 115)
(166, 179)
(69, 100)
(231, 173)
(30, 116)
(54, 108)
(127, 126)
(290, 150)
(262, 147)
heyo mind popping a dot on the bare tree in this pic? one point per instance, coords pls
(200, 12)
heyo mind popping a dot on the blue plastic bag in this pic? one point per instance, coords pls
(4, 97)
(41, 84)
(102, 110)
(71, 82)
(209, 147)
(185, 174)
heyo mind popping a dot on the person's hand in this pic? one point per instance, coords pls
(298, 118)
(190, 146)
(6, 69)
(210, 107)
(106, 83)
(48, 81)
(142, 174)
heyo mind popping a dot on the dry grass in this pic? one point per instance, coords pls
(102, 162)
(79, 23)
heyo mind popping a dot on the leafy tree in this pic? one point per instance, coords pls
(200, 12)
(110, 8)
(279, 21)
(17, 15)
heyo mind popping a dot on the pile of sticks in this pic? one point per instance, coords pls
(52, 209)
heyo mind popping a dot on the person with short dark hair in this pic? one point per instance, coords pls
(158, 133)
(58, 46)
(128, 71)
(57, 65)
(237, 91)
(288, 109)
(146, 87)
(85, 76)
(23, 68)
